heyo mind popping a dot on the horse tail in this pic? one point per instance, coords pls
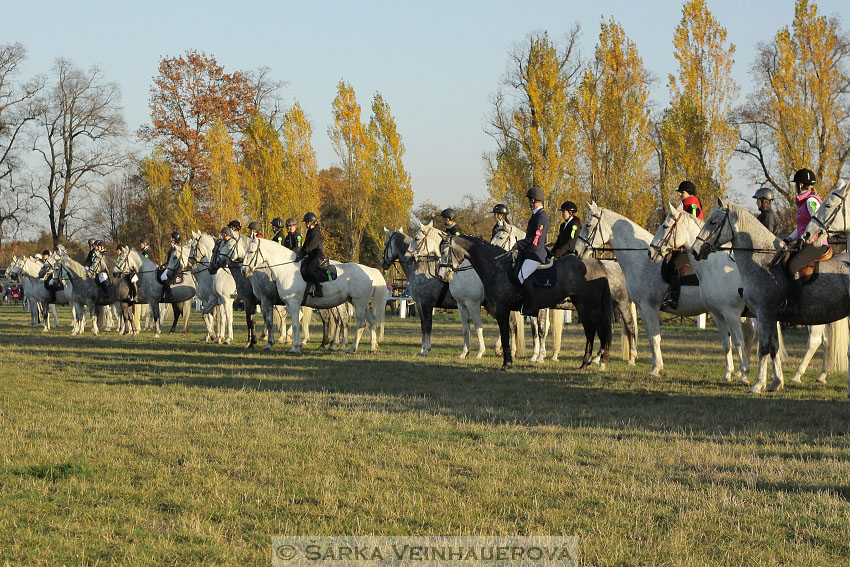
(519, 335)
(557, 323)
(781, 354)
(607, 314)
(379, 307)
(837, 336)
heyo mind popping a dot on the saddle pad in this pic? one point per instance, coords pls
(808, 272)
(544, 279)
(689, 280)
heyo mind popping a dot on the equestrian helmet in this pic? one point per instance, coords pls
(765, 193)
(805, 177)
(536, 194)
(569, 206)
(500, 209)
(448, 214)
(291, 222)
(91, 242)
(687, 185)
(277, 222)
(235, 224)
(255, 226)
(310, 217)
(176, 236)
(227, 231)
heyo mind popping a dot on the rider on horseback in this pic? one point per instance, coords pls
(767, 216)
(293, 240)
(451, 226)
(145, 248)
(279, 235)
(500, 213)
(532, 248)
(164, 280)
(807, 203)
(566, 243)
(678, 259)
(97, 266)
(313, 252)
(255, 229)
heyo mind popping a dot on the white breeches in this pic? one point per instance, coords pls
(528, 268)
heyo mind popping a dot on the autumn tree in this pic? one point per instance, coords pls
(332, 183)
(799, 114)
(614, 128)
(299, 188)
(80, 130)
(188, 95)
(224, 191)
(120, 214)
(351, 144)
(159, 198)
(697, 138)
(18, 107)
(261, 169)
(532, 125)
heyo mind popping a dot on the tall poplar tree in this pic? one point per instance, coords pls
(223, 192)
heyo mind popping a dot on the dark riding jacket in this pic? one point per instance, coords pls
(770, 220)
(566, 242)
(295, 241)
(533, 246)
(313, 247)
(146, 252)
(454, 230)
(279, 237)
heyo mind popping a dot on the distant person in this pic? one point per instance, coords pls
(293, 239)
(449, 219)
(500, 214)
(767, 216)
(313, 254)
(532, 249)
(567, 233)
(280, 234)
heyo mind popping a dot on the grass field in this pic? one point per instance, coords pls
(143, 451)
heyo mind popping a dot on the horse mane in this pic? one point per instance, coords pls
(275, 246)
(639, 232)
(749, 224)
(76, 268)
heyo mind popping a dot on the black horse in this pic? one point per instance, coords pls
(583, 282)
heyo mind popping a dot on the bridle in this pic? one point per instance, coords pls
(827, 222)
(668, 236)
(591, 232)
(715, 245)
(422, 255)
(257, 258)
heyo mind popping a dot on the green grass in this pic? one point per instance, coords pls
(143, 451)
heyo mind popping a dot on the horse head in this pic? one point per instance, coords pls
(667, 237)
(394, 247)
(16, 267)
(595, 233)
(176, 261)
(717, 231)
(451, 257)
(253, 256)
(122, 263)
(830, 217)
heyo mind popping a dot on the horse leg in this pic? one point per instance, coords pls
(228, 319)
(360, 319)
(652, 321)
(294, 309)
(778, 378)
(93, 314)
(426, 321)
(535, 338)
(251, 322)
(175, 310)
(767, 350)
(464, 319)
(503, 316)
(475, 311)
(739, 342)
(816, 337)
(723, 331)
(557, 332)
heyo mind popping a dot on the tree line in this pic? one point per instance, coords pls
(223, 145)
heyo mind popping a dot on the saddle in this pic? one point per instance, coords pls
(542, 276)
(678, 263)
(809, 272)
(178, 279)
(318, 271)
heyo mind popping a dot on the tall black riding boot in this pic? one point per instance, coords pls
(671, 298)
(317, 290)
(791, 305)
(529, 301)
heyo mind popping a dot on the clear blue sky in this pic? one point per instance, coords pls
(435, 62)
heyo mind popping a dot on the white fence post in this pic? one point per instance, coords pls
(568, 316)
(701, 321)
(402, 309)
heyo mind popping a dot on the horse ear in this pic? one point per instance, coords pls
(719, 202)
(386, 231)
(427, 226)
(841, 185)
(673, 210)
(401, 229)
(845, 262)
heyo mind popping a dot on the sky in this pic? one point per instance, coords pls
(437, 63)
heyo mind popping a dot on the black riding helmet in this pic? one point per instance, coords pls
(227, 231)
(536, 193)
(277, 222)
(448, 214)
(310, 217)
(255, 226)
(765, 193)
(500, 209)
(804, 177)
(687, 185)
(291, 222)
(235, 224)
(176, 236)
(569, 206)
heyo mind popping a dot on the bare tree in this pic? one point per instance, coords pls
(18, 106)
(80, 130)
(267, 98)
(117, 213)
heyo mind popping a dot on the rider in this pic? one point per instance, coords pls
(807, 203)
(90, 256)
(566, 243)
(131, 279)
(678, 259)
(145, 248)
(164, 280)
(280, 234)
(45, 254)
(50, 284)
(293, 239)
(500, 213)
(236, 226)
(255, 228)
(95, 266)
(451, 226)
(532, 248)
(767, 216)
(313, 252)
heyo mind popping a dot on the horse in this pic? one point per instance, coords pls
(216, 288)
(26, 270)
(149, 289)
(719, 285)
(824, 299)
(630, 243)
(81, 290)
(353, 283)
(584, 282)
(465, 287)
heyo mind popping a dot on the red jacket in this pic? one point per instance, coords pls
(692, 206)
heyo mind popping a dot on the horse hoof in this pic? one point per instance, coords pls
(743, 379)
(505, 367)
(421, 353)
(480, 354)
(227, 342)
(267, 348)
(462, 355)
(757, 388)
(776, 386)
(554, 358)
(821, 379)
(727, 378)
(603, 366)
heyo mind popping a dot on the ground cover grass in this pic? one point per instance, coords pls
(143, 451)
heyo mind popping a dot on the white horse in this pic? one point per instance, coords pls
(81, 290)
(353, 284)
(27, 270)
(465, 286)
(720, 287)
(216, 290)
(646, 287)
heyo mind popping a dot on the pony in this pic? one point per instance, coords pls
(824, 299)
(353, 283)
(26, 270)
(584, 282)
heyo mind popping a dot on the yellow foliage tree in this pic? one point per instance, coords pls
(299, 190)
(799, 114)
(697, 139)
(223, 201)
(156, 176)
(533, 126)
(262, 171)
(614, 128)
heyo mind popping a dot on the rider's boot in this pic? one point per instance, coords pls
(529, 302)
(791, 305)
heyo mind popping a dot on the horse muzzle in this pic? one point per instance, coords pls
(248, 271)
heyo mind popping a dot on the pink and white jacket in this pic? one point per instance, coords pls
(807, 203)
